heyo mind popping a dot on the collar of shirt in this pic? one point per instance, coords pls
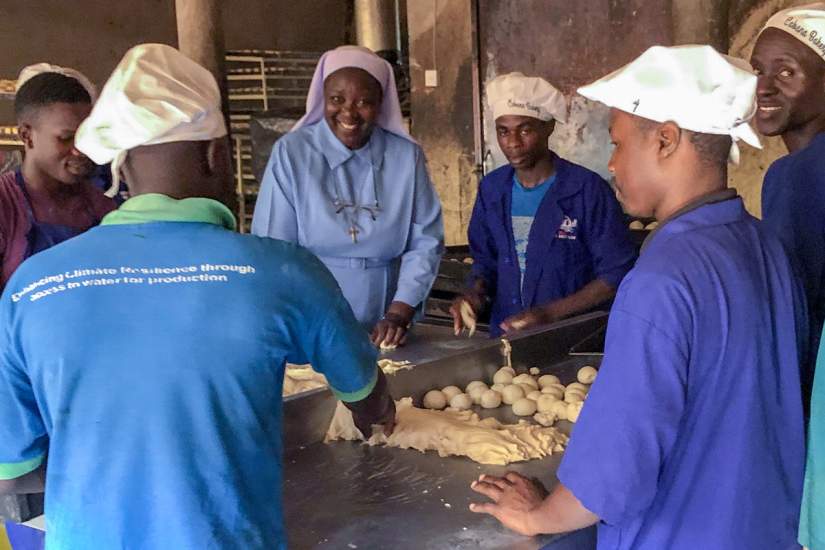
(154, 207)
(704, 200)
(337, 153)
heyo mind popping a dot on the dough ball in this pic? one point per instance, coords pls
(476, 392)
(526, 379)
(461, 402)
(526, 388)
(490, 399)
(535, 371)
(555, 391)
(534, 395)
(511, 370)
(503, 377)
(435, 399)
(573, 396)
(524, 407)
(545, 418)
(498, 387)
(578, 387)
(545, 402)
(548, 379)
(636, 224)
(559, 410)
(652, 225)
(573, 411)
(586, 375)
(511, 394)
(451, 391)
(475, 384)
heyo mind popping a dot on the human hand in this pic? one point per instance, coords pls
(513, 497)
(530, 318)
(391, 330)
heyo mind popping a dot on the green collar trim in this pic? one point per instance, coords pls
(154, 207)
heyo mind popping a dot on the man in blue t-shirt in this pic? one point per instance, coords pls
(692, 435)
(164, 429)
(547, 237)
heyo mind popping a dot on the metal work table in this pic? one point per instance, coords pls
(349, 495)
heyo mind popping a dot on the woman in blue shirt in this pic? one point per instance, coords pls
(350, 184)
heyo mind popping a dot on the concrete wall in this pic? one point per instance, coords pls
(92, 35)
(442, 116)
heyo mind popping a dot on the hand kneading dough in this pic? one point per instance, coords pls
(586, 375)
(511, 394)
(534, 395)
(524, 407)
(560, 410)
(502, 377)
(535, 371)
(547, 380)
(526, 379)
(556, 392)
(461, 402)
(573, 411)
(490, 399)
(474, 384)
(545, 402)
(451, 391)
(435, 399)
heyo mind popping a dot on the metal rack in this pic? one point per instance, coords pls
(259, 81)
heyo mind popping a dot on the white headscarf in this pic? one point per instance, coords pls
(694, 86)
(805, 23)
(39, 68)
(516, 94)
(155, 95)
(389, 117)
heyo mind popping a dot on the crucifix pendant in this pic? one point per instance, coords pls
(353, 233)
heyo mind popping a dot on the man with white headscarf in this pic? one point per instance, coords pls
(692, 434)
(350, 184)
(171, 417)
(547, 236)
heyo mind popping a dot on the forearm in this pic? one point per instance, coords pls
(33, 482)
(560, 512)
(591, 295)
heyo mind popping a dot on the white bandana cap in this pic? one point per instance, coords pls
(805, 23)
(39, 68)
(517, 94)
(694, 86)
(155, 95)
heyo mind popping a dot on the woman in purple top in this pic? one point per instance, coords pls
(49, 198)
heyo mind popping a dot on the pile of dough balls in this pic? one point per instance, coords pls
(543, 397)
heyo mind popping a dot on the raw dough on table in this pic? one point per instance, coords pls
(535, 371)
(555, 391)
(534, 395)
(526, 388)
(524, 407)
(490, 399)
(545, 418)
(574, 396)
(548, 380)
(498, 387)
(473, 384)
(459, 433)
(511, 394)
(526, 379)
(636, 224)
(573, 410)
(586, 375)
(461, 402)
(545, 402)
(390, 366)
(451, 391)
(502, 377)
(301, 378)
(559, 409)
(476, 392)
(577, 386)
(434, 399)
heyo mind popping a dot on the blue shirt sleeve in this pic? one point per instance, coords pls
(608, 239)
(425, 244)
(275, 214)
(482, 246)
(633, 411)
(23, 437)
(329, 336)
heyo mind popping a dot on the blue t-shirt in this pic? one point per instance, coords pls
(692, 436)
(148, 360)
(523, 210)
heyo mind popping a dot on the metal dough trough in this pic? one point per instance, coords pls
(350, 495)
